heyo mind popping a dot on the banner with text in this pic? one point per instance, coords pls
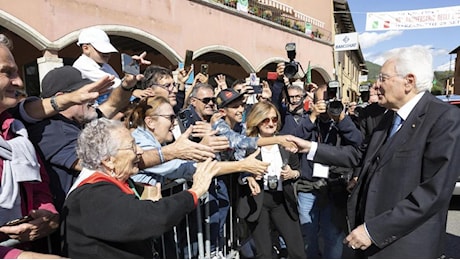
(414, 19)
(346, 41)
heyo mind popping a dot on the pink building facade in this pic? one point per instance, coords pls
(231, 42)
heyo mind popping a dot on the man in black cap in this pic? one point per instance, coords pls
(56, 137)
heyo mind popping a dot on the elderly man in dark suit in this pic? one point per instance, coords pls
(399, 207)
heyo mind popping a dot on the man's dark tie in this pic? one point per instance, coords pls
(397, 121)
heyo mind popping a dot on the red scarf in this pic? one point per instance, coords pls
(100, 177)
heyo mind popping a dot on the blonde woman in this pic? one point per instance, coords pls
(270, 199)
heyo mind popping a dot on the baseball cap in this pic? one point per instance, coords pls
(63, 79)
(97, 38)
(227, 96)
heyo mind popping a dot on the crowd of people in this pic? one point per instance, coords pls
(84, 165)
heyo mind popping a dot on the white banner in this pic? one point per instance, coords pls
(414, 19)
(346, 41)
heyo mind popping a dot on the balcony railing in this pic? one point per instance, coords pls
(282, 14)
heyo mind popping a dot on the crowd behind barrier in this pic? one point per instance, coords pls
(257, 169)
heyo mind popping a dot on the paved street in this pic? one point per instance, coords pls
(453, 229)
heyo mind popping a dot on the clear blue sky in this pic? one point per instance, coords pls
(441, 41)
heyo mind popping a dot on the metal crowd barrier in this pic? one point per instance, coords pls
(191, 238)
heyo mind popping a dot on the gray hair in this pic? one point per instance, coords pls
(296, 87)
(5, 41)
(199, 86)
(415, 60)
(96, 142)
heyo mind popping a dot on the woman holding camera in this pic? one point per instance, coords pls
(270, 199)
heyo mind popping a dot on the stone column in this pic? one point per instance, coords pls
(49, 61)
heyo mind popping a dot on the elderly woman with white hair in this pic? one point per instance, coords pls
(103, 217)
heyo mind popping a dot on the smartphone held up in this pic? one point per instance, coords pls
(129, 65)
(204, 69)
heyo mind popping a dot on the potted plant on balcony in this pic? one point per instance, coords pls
(299, 26)
(231, 3)
(252, 9)
(267, 14)
(317, 34)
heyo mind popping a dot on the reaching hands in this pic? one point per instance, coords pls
(215, 117)
(217, 143)
(287, 173)
(252, 165)
(42, 224)
(221, 83)
(183, 75)
(152, 193)
(303, 146)
(203, 175)
(318, 108)
(143, 93)
(200, 78)
(185, 149)
(88, 93)
(266, 91)
(287, 144)
(253, 186)
(201, 129)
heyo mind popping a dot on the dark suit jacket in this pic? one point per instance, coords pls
(406, 183)
(249, 206)
(369, 118)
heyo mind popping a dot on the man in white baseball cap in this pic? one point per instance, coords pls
(97, 38)
(96, 53)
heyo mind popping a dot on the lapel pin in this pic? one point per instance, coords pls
(413, 125)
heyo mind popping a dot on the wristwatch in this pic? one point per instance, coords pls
(54, 104)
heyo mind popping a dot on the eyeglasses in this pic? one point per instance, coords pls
(207, 99)
(382, 76)
(267, 120)
(132, 148)
(167, 86)
(171, 118)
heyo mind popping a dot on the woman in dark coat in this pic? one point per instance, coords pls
(270, 201)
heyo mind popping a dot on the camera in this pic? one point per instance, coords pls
(334, 104)
(272, 182)
(204, 69)
(292, 67)
(334, 107)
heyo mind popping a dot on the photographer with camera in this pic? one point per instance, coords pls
(321, 189)
(293, 112)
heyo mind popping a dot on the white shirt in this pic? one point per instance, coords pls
(90, 69)
(93, 71)
(272, 155)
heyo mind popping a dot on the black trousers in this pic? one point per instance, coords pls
(274, 211)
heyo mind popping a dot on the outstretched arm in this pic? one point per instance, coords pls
(41, 108)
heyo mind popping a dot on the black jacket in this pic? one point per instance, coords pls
(101, 221)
